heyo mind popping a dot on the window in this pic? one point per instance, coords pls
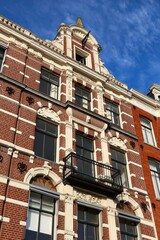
(119, 162)
(84, 148)
(80, 58)
(128, 227)
(88, 223)
(40, 222)
(45, 140)
(147, 131)
(112, 112)
(2, 52)
(83, 96)
(49, 83)
(155, 172)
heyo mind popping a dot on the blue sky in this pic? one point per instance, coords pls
(127, 30)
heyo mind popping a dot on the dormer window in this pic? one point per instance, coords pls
(83, 57)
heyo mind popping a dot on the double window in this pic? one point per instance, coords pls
(83, 96)
(88, 223)
(49, 83)
(112, 112)
(2, 53)
(155, 172)
(119, 162)
(40, 222)
(147, 131)
(128, 227)
(46, 139)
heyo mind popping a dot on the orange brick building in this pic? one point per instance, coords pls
(70, 163)
(146, 118)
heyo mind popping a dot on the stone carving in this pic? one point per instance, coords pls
(49, 113)
(117, 142)
(88, 198)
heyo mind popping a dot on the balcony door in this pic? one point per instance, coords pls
(84, 150)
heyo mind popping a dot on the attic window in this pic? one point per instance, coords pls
(80, 58)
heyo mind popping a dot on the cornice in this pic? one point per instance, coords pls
(22, 31)
(138, 96)
(26, 39)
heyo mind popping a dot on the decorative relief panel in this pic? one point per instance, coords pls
(117, 142)
(88, 198)
(49, 113)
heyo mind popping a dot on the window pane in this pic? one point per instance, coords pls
(81, 231)
(91, 233)
(46, 223)
(40, 124)
(50, 148)
(48, 203)
(30, 235)
(54, 91)
(35, 200)
(51, 128)
(92, 216)
(49, 83)
(39, 144)
(32, 221)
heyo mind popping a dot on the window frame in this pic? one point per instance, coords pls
(113, 115)
(85, 167)
(121, 165)
(155, 175)
(47, 80)
(87, 208)
(80, 99)
(147, 131)
(42, 192)
(4, 47)
(128, 219)
(45, 133)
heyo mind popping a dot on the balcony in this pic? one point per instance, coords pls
(91, 176)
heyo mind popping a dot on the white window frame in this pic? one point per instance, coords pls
(147, 131)
(55, 195)
(4, 46)
(155, 173)
(84, 54)
(98, 208)
(51, 82)
(89, 100)
(129, 217)
(57, 138)
(111, 112)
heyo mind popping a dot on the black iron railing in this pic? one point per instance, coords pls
(91, 172)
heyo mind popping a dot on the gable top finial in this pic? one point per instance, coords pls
(79, 22)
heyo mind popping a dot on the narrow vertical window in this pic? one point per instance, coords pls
(83, 96)
(147, 131)
(45, 140)
(88, 223)
(84, 149)
(119, 162)
(112, 112)
(49, 83)
(2, 52)
(155, 173)
(40, 222)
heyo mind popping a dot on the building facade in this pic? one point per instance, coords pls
(147, 119)
(70, 161)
